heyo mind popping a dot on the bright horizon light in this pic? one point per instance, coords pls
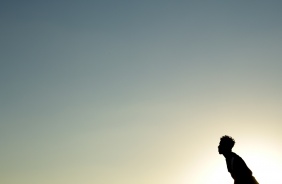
(261, 157)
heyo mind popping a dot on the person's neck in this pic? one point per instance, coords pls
(228, 154)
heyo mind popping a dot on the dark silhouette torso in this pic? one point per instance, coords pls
(239, 170)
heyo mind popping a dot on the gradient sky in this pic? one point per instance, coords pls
(138, 92)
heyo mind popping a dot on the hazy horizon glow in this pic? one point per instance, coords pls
(138, 92)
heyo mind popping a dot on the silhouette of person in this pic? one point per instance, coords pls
(235, 164)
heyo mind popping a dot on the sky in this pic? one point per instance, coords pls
(138, 92)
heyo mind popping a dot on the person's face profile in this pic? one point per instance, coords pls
(222, 148)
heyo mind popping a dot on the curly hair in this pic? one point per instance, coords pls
(227, 141)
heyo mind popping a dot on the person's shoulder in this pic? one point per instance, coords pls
(236, 155)
(237, 158)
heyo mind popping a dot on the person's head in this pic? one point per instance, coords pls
(226, 144)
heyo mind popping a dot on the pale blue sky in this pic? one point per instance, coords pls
(99, 90)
